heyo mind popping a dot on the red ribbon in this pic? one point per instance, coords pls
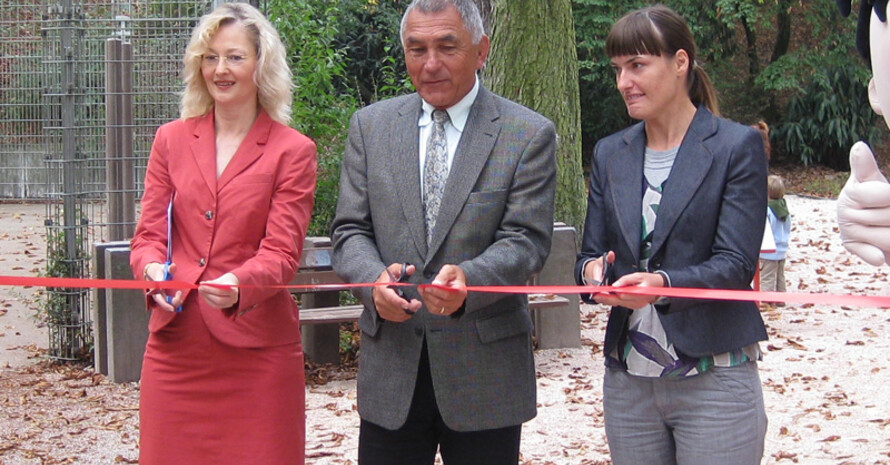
(690, 293)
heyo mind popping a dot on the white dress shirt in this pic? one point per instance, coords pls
(457, 114)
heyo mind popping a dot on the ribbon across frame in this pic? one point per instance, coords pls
(677, 292)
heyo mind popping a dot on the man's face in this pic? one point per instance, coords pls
(441, 57)
(879, 90)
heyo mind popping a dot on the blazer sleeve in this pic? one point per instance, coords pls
(149, 242)
(355, 253)
(593, 241)
(277, 259)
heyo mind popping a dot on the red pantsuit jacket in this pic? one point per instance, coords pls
(251, 221)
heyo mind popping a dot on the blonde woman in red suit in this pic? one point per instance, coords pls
(222, 379)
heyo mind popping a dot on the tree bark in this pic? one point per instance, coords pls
(783, 30)
(751, 50)
(533, 61)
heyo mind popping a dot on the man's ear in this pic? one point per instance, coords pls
(873, 97)
(483, 48)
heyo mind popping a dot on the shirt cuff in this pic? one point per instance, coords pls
(667, 283)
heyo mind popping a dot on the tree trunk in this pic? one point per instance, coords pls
(533, 61)
(751, 50)
(783, 30)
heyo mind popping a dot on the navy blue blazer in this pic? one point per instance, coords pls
(708, 232)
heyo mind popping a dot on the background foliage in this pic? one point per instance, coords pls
(790, 63)
(775, 60)
(344, 54)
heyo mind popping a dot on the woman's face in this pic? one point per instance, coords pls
(228, 67)
(651, 84)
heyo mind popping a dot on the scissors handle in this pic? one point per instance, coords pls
(167, 277)
(403, 278)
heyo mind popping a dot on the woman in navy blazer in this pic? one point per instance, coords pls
(676, 200)
(222, 379)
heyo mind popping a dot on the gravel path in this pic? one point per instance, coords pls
(826, 373)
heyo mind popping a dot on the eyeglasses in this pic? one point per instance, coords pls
(233, 61)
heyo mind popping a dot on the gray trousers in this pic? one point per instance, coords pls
(772, 275)
(717, 417)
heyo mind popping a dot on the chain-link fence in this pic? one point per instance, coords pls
(84, 84)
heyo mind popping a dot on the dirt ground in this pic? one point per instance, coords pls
(825, 373)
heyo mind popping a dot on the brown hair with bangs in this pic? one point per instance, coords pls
(658, 30)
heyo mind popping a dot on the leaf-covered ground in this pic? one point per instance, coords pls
(825, 374)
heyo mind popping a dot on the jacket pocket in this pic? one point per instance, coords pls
(487, 197)
(503, 325)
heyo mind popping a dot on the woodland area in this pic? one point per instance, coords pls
(790, 63)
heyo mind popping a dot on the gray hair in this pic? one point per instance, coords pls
(469, 14)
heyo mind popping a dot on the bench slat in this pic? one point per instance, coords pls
(348, 313)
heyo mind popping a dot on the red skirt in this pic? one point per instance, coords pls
(203, 402)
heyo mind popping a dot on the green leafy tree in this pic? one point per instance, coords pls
(825, 119)
(322, 104)
(761, 55)
(344, 54)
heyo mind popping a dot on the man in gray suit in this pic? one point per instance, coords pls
(465, 197)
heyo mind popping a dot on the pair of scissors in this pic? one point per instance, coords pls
(403, 278)
(167, 275)
(607, 267)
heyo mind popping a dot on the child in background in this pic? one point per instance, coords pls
(772, 265)
(763, 129)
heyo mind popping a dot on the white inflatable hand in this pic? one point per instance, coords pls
(863, 208)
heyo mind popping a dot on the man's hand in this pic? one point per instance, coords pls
(390, 305)
(446, 301)
(863, 208)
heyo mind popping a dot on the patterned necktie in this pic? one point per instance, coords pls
(435, 171)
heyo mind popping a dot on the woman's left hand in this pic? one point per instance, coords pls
(224, 292)
(631, 301)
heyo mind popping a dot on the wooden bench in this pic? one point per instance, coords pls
(558, 325)
(120, 332)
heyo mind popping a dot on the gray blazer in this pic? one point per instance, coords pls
(708, 233)
(495, 222)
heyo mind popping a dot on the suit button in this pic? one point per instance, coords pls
(202, 262)
(429, 275)
(208, 214)
(418, 331)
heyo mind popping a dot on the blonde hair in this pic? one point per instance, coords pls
(775, 187)
(272, 76)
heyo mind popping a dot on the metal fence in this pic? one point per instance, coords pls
(84, 84)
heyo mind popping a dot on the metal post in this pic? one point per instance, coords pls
(128, 157)
(112, 136)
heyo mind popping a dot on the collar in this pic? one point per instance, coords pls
(458, 113)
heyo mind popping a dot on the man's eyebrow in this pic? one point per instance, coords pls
(441, 39)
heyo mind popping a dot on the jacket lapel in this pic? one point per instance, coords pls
(625, 171)
(204, 158)
(406, 168)
(690, 168)
(470, 157)
(251, 148)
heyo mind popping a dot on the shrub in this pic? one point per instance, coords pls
(823, 121)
